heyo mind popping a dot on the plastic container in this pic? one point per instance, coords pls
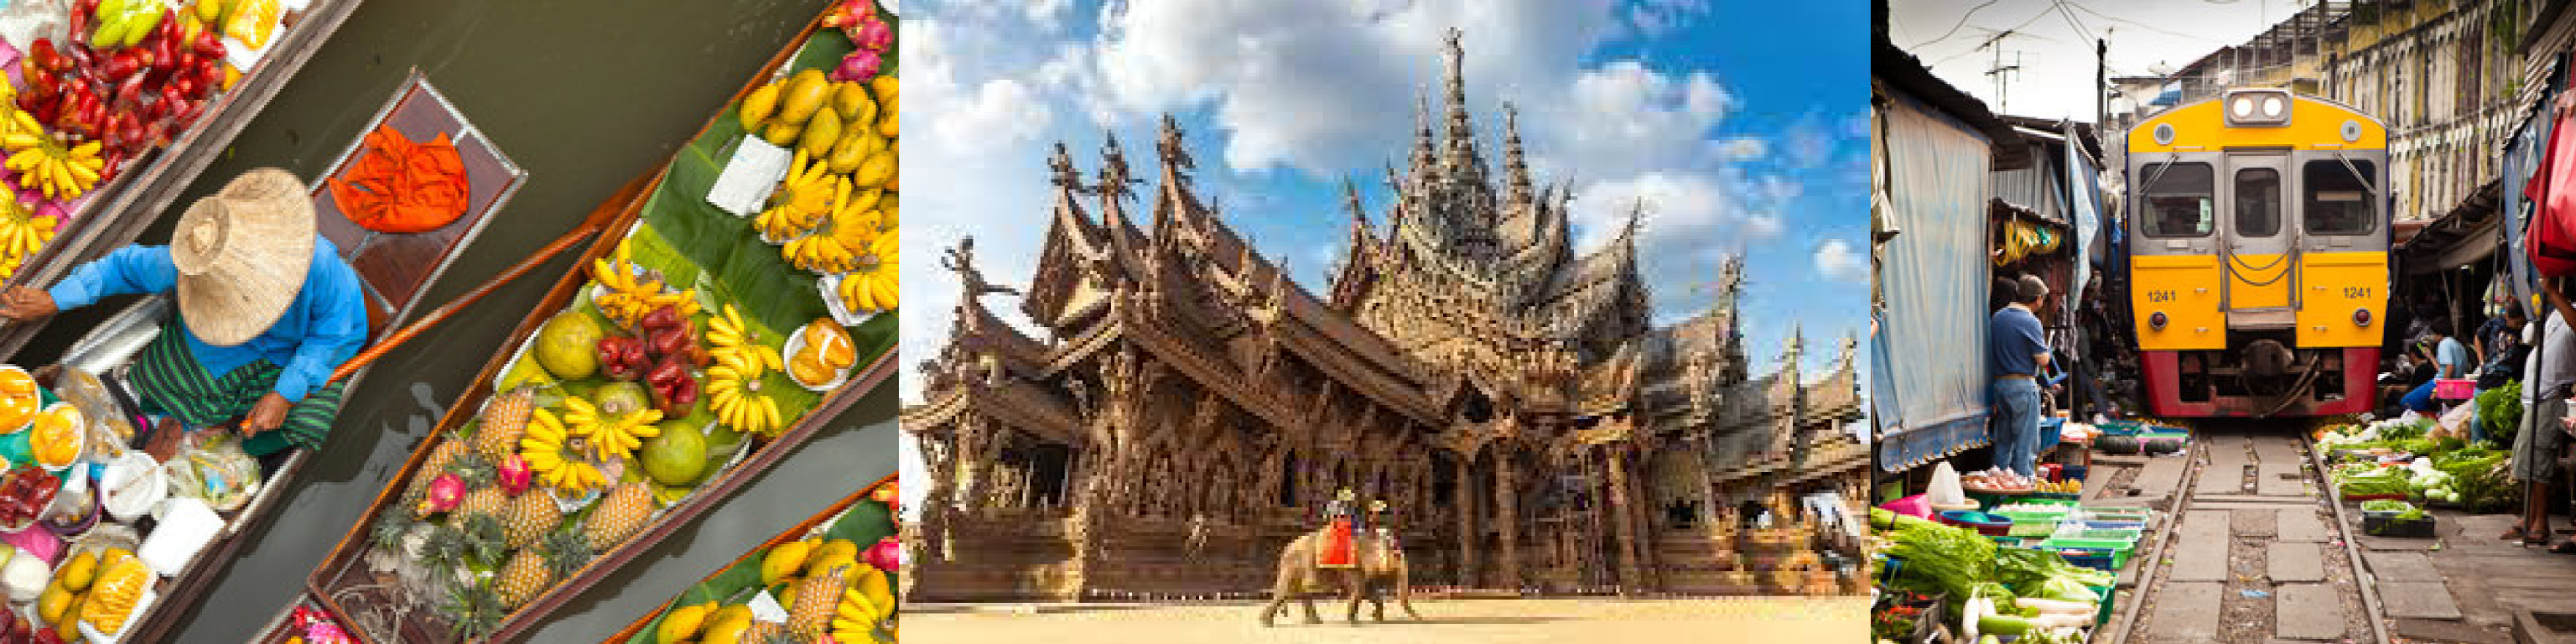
(1985, 524)
(1944, 489)
(1913, 506)
(2455, 388)
(2079, 531)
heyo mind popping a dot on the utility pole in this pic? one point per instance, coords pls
(2101, 83)
(2003, 77)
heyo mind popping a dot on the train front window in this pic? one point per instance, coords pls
(2258, 202)
(2178, 199)
(2337, 197)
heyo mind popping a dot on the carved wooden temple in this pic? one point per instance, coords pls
(1190, 409)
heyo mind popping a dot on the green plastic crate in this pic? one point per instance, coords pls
(2120, 550)
(2103, 594)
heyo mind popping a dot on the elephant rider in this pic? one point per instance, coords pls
(267, 310)
(1378, 517)
(1342, 525)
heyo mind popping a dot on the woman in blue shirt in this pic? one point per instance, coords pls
(267, 311)
(2450, 361)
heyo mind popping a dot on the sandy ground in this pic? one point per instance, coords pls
(1480, 621)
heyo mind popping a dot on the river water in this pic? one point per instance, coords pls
(584, 94)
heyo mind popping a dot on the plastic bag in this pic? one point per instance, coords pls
(1945, 486)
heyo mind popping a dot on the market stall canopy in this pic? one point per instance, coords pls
(2468, 234)
(1938, 145)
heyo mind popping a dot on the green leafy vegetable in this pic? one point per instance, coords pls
(2500, 410)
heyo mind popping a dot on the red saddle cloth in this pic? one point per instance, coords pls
(1338, 550)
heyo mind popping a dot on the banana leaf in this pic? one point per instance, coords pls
(863, 523)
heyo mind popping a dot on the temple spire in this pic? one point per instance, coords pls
(1423, 169)
(1462, 135)
(1515, 169)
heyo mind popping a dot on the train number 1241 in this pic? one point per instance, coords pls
(2356, 292)
(2160, 296)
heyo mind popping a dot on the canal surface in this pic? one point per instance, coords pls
(585, 95)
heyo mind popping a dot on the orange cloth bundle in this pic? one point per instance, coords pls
(1337, 546)
(398, 186)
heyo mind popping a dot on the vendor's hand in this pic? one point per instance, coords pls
(25, 303)
(267, 415)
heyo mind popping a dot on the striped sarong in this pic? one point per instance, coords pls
(170, 379)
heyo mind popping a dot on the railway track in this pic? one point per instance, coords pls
(2256, 550)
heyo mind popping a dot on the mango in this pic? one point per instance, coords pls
(79, 571)
(852, 102)
(781, 134)
(876, 172)
(785, 560)
(759, 105)
(805, 94)
(856, 145)
(885, 87)
(820, 132)
(683, 623)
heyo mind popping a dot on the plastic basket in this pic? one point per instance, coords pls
(2104, 595)
(2100, 534)
(2094, 558)
(2033, 528)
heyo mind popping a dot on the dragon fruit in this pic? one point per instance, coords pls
(515, 474)
(886, 494)
(887, 555)
(857, 67)
(445, 492)
(871, 34)
(848, 12)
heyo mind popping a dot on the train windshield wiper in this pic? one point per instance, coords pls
(2356, 173)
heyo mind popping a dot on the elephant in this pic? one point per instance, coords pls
(1382, 567)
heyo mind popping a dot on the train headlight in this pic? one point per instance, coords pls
(2258, 108)
(2156, 321)
(2361, 317)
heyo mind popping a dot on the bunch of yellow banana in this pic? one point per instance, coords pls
(21, 235)
(629, 296)
(611, 438)
(47, 167)
(738, 403)
(810, 194)
(736, 346)
(865, 604)
(821, 254)
(554, 451)
(873, 285)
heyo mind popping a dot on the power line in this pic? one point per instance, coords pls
(1963, 21)
(2141, 25)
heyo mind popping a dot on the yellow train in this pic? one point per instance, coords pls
(2257, 255)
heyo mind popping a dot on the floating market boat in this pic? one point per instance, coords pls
(177, 135)
(210, 497)
(856, 531)
(584, 442)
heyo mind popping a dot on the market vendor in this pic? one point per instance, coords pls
(2017, 353)
(2450, 361)
(267, 311)
(2552, 366)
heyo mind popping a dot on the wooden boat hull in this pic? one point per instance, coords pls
(346, 570)
(116, 339)
(791, 534)
(132, 201)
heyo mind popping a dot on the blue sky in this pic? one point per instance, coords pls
(1739, 123)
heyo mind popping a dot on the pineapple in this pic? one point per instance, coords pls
(485, 500)
(534, 568)
(529, 516)
(504, 422)
(484, 539)
(816, 596)
(473, 612)
(619, 516)
(439, 458)
(765, 633)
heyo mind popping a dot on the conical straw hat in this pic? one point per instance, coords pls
(242, 254)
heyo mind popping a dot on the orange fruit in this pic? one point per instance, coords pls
(56, 437)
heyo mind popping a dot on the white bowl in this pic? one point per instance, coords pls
(31, 418)
(132, 486)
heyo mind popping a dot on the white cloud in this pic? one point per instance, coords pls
(1000, 114)
(1740, 148)
(1289, 81)
(1836, 260)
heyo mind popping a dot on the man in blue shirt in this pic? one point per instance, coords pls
(2016, 354)
(267, 311)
